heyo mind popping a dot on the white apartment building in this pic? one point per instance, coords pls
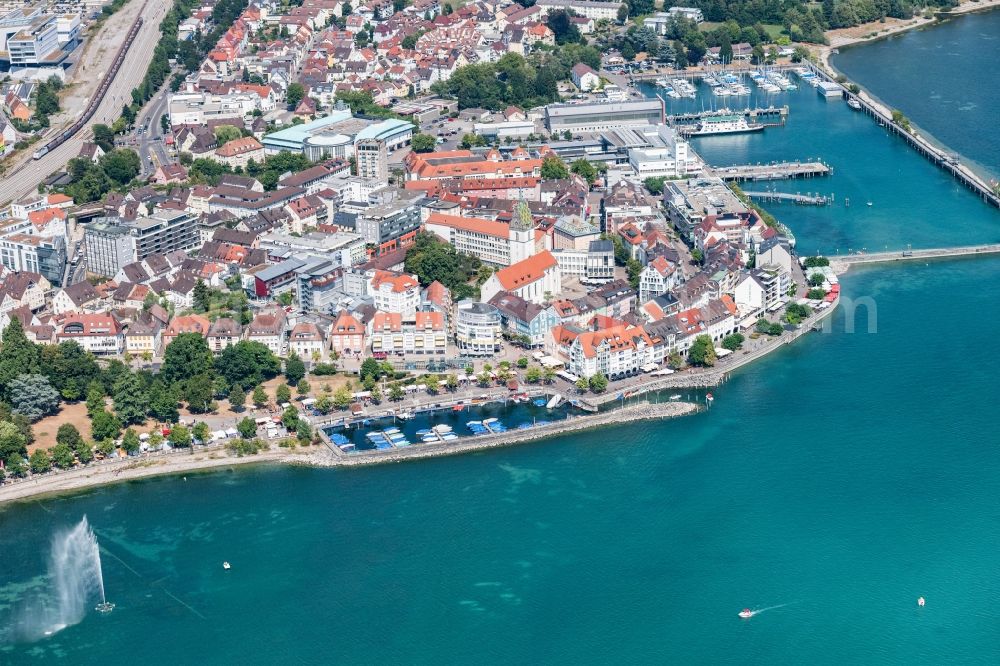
(486, 239)
(586, 8)
(395, 293)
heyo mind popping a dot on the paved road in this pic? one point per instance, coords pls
(25, 179)
(151, 150)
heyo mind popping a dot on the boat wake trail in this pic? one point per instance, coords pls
(758, 611)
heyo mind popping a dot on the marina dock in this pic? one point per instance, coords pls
(801, 199)
(774, 171)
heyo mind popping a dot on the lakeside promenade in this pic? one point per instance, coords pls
(182, 461)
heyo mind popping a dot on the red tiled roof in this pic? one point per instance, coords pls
(527, 271)
(474, 224)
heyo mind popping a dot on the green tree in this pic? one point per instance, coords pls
(130, 442)
(69, 435)
(17, 466)
(69, 368)
(294, 95)
(303, 431)
(179, 437)
(33, 396)
(376, 395)
(583, 168)
(121, 166)
(370, 368)
(816, 280)
(104, 425)
(201, 432)
(247, 427)
(422, 143)
(247, 363)
(12, 442)
(654, 185)
(260, 396)
(290, 417)
(226, 133)
(303, 388)
(634, 270)
(395, 393)
(131, 402)
(560, 23)
(198, 392)
(163, 402)
(598, 383)
(104, 137)
(18, 355)
(62, 456)
(106, 447)
(283, 394)
(702, 351)
(553, 168)
(295, 369)
(187, 356)
(39, 462)
(342, 398)
(582, 385)
(733, 341)
(202, 295)
(85, 453)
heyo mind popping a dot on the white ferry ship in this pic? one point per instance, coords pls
(728, 124)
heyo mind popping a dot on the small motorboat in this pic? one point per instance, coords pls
(226, 566)
(746, 613)
(675, 396)
(921, 601)
(104, 607)
(870, 203)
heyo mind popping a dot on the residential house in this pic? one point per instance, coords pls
(347, 335)
(74, 297)
(99, 333)
(224, 332)
(268, 328)
(306, 340)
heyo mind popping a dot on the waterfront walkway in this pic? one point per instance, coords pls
(914, 255)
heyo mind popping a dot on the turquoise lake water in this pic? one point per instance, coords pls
(845, 475)
(946, 82)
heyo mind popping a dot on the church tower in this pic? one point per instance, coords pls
(522, 233)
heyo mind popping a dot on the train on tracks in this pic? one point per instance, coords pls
(98, 97)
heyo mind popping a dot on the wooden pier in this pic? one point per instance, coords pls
(774, 171)
(801, 199)
(947, 161)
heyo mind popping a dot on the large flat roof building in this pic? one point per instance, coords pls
(596, 117)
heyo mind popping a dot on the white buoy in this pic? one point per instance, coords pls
(921, 601)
